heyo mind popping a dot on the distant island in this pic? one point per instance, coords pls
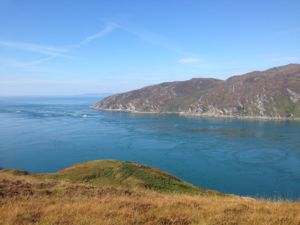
(270, 94)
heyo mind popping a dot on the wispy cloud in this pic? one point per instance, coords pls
(158, 40)
(189, 61)
(40, 49)
(52, 52)
(166, 43)
(10, 62)
(28, 66)
(285, 59)
(107, 29)
(38, 61)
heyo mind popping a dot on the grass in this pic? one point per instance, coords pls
(124, 174)
(83, 194)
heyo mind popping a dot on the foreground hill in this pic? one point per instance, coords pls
(274, 93)
(124, 174)
(114, 192)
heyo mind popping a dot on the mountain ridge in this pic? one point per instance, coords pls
(273, 94)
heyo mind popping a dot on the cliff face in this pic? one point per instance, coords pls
(271, 93)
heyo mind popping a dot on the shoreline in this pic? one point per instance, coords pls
(202, 116)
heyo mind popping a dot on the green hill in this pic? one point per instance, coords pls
(124, 174)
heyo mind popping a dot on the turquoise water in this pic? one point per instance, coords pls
(253, 158)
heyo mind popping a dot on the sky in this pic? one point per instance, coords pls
(67, 47)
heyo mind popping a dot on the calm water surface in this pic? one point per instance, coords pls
(242, 157)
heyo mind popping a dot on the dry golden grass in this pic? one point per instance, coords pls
(27, 200)
(113, 192)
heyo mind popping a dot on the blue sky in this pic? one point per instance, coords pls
(65, 47)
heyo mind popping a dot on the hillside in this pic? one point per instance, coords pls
(114, 192)
(274, 93)
(124, 174)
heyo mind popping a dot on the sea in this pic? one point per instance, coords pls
(245, 157)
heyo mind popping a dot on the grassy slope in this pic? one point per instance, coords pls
(113, 192)
(123, 174)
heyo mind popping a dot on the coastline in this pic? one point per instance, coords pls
(202, 116)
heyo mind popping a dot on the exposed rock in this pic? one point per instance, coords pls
(295, 97)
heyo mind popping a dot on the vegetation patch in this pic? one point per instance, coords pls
(287, 107)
